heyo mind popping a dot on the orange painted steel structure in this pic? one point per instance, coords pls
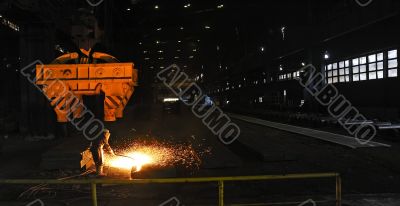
(61, 80)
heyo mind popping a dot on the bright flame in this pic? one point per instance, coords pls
(140, 159)
(121, 162)
(137, 160)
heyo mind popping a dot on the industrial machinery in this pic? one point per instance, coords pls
(87, 73)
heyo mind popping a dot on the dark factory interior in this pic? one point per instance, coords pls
(199, 102)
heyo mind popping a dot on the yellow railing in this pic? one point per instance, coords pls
(220, 180)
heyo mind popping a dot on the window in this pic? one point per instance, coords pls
(359, 69)
(338, 72)
(363, 68)
(288, 76)
(375, 66)
(392, 63)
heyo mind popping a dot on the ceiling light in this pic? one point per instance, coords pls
(176, 57)
(280, 67)
(184, 66)
(190, 57)
(144, 52)
(303, 64)
(207, 27)
(262, 49)
(179, 41)
(147, 58)
(220, 6)
(160, 58)
(181, 27)
(160, 51)
(178, 50)
(157, 42)
(159, 29)
(198, 40)
(156, 7)
(194, 50)
(186, 6)
(326, 55)
(128, 9)
(140, 43)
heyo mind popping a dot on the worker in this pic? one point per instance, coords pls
(97, 148)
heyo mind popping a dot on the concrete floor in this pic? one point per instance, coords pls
(370, 175)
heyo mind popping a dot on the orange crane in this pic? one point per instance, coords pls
(88, 73)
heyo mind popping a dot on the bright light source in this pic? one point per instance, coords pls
(144, 52)
(179, 41)
(159, 29)
(140, 43)
(147, 58)
(160, 51)
(161, 67)
(280, 68)
(176, 57)
(178, 50)
(220, 6)
(301, 103)
(128, 9)
(157, 42)
(303, 64)
(191, 57)
(194, 50)
(326, 55)
(262, 49)
(283, 28)
(156, 7)
(181, 27)
(284, 92)
(185, 66)
(160, 58)
(207, 27)
(186, 6)
(170, 99)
